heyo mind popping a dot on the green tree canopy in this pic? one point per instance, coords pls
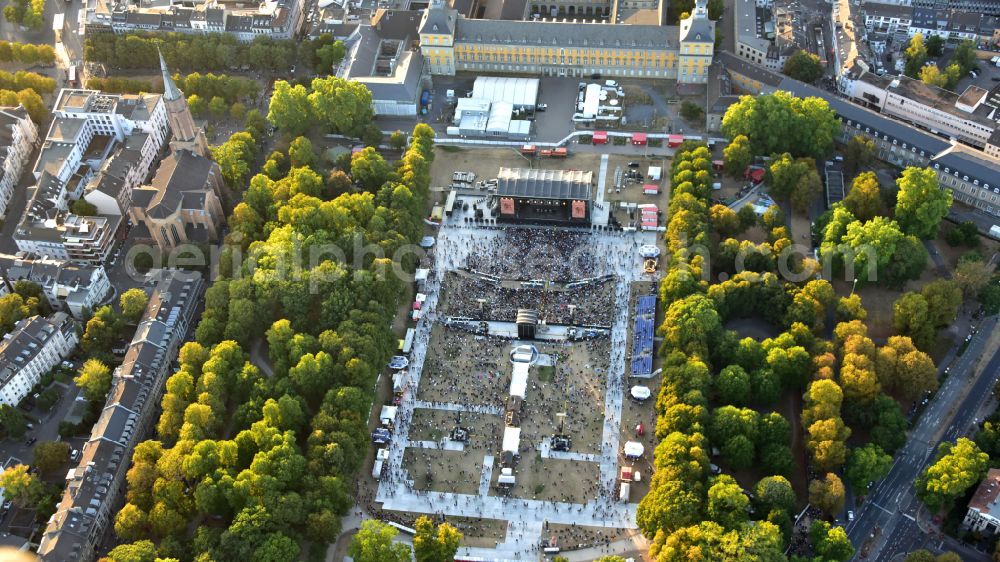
(921, 203)
(373, 543)
(94, 378)
(50, 455)
(133, 304)
(780, 122)
(957, 467)
(866, 465)
(804, 66)
(435, 544)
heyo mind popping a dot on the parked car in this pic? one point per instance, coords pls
(30, 441)
(850, 516)
(7, 505)
(74, 455)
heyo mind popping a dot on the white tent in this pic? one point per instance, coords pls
(388, 415)
(498, 123)
(505, 480)
(427, 242)
(640, 392)
(398, 381)
(655, 172)
(649, 251)
(634, 449)
(519, 380)
(421, 274)
(624, 493)
(519, 92)
(512, 439)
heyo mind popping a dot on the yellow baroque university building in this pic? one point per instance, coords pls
(453, 43)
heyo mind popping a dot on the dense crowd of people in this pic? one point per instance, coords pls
(530, 253)
(469, 295)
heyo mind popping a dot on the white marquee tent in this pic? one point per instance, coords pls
(512, 439)
(519, 92)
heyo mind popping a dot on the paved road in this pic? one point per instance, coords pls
(892, 505)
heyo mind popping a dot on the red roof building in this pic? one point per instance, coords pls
(600, 137)
(984, 511)
(639, 139)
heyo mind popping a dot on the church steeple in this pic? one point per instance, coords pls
(186, 135)
(170, 91)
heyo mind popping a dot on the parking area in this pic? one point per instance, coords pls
(988, 73)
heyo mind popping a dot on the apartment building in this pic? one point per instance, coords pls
(34, 347)
(901, 19)
(95, 488)
(67, 286)
(450, 42)
(277, 19)
(18, 135)
(98, 147)
(969, 117)
(756, 41)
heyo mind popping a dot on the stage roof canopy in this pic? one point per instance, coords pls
(544, 184)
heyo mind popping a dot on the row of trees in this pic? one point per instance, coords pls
(918, 66)
(118, 85)
(30, 99)
(269, 458)
(22, 79)
(26, 53)
(685, 509)
(230, 88)
(184, 51)
(322, 54)
(27, 13)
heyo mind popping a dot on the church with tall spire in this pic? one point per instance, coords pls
(186, 135)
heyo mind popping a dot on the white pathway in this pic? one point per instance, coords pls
(445, 445)
(452, 407)
(525, 517)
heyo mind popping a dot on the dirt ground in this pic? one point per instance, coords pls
(439, 470)
(756, 234)
(579, 536)
(577, 388)
(553, 480)
(756, 328)
(434, 425)
(951, 254)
